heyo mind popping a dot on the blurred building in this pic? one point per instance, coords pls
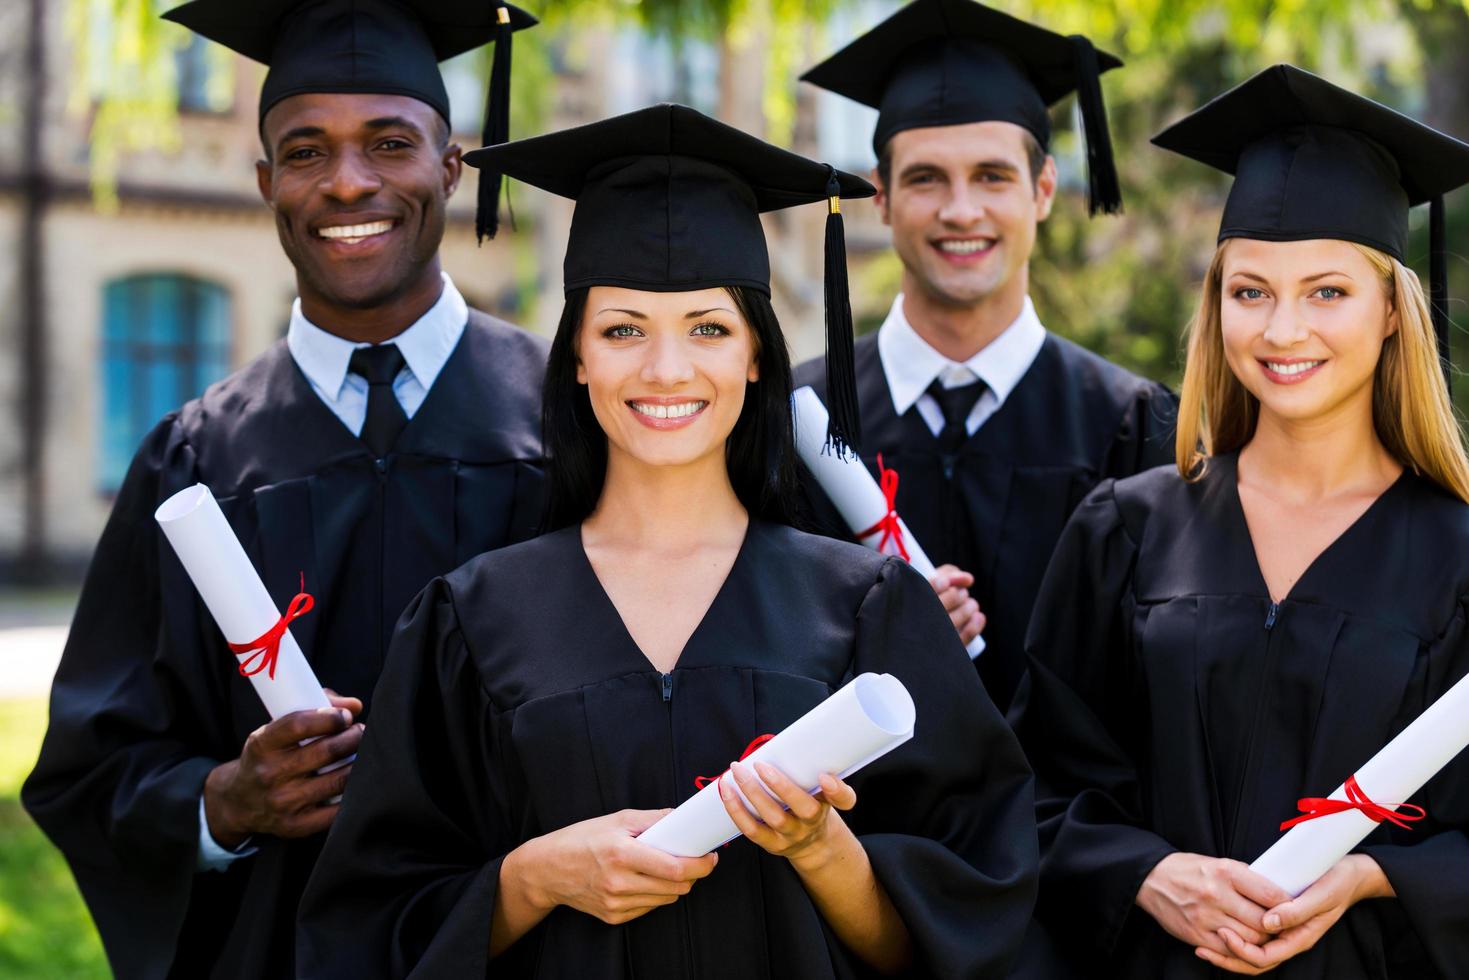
(111, 317)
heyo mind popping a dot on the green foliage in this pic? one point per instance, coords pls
(45, 931)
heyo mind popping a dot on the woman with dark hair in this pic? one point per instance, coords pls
(544, 705)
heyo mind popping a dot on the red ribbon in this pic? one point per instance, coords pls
(701, 781)
(1315, 806)
(889, 526)
(266, 648)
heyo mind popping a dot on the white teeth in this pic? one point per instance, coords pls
(681, 410)
(1289, 369)
(352, 234)
(967, 247)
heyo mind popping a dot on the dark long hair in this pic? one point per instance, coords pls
(760, 451)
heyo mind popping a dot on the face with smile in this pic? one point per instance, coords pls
(665, 372)
(1303, 324)
(359, 185)
(963, 207)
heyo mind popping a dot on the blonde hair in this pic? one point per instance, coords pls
(1411, 411)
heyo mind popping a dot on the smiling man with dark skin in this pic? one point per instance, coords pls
(996, 427)
(393, 434)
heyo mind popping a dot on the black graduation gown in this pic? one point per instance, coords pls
(148, 699)
(1170, 706)
(504, 715)
(997, 507)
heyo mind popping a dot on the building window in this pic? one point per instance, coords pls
(206, 77)
(164, 339)
(647, 68)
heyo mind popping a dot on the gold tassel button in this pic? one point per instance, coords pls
(834, 204)
(503, 14)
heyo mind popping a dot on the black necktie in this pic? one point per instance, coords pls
(385, 417)
(956, 404)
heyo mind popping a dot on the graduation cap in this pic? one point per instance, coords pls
(669, 200)
(388, 47)
(949, 62)
(1312, 160)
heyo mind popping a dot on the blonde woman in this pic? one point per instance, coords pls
(1215, 641)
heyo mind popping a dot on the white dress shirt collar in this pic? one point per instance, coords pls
(911, 364)
(426, 345)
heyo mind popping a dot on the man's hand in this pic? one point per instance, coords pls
(274, 787)
(953, 584)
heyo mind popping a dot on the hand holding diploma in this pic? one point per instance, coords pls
(1296, 925)
(597, 867)
(290, 773)
(868, 510)
(283, 783)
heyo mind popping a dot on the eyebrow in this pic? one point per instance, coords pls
(1319, 275)
(387, 122)
(617, 309)
(695, 314)
(381, 122)
(300, 132)
(996, 163)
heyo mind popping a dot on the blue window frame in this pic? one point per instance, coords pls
(164, 339)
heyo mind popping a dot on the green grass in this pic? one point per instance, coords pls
(45, 931)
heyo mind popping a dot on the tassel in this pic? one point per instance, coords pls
(1104, 193)
(1438, 286)
(497, 128)
(844, 426)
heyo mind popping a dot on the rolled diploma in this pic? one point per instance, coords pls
(850, 487)
(237, 599)
(1308, 850)
(868, 718)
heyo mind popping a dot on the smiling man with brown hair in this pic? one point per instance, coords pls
(996, 427)
(392, 435)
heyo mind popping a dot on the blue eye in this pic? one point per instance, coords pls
(621, 330)
(710, 330)
(1249, 293)
(1330, 292)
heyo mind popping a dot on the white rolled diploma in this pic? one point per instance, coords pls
(1308, 850)
(851, 488)
(868, 718)
(235, 595)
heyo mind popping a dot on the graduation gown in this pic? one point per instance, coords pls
(996, 507)
(148, 699)
(1171, 706)
(504, 715)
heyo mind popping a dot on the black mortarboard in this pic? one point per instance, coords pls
(1311, 160)
(949, 62)
(388, 47)
(668, 199)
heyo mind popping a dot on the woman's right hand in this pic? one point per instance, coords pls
(599, 867)
(1193, 896)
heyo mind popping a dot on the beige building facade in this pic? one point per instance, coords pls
(189, 250)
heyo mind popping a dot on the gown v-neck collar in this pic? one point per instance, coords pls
(1230, 475)
(600, 595)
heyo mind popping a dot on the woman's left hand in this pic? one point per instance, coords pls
(806, 829)
(1301, 922)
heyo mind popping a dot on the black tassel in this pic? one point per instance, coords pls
(1438, 286)
(843, 430)
(1104, 193)
(497, 127)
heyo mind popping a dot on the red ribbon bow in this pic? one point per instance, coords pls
(701, 781)
(266, 648)
(1315, 806)
(892, 531)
